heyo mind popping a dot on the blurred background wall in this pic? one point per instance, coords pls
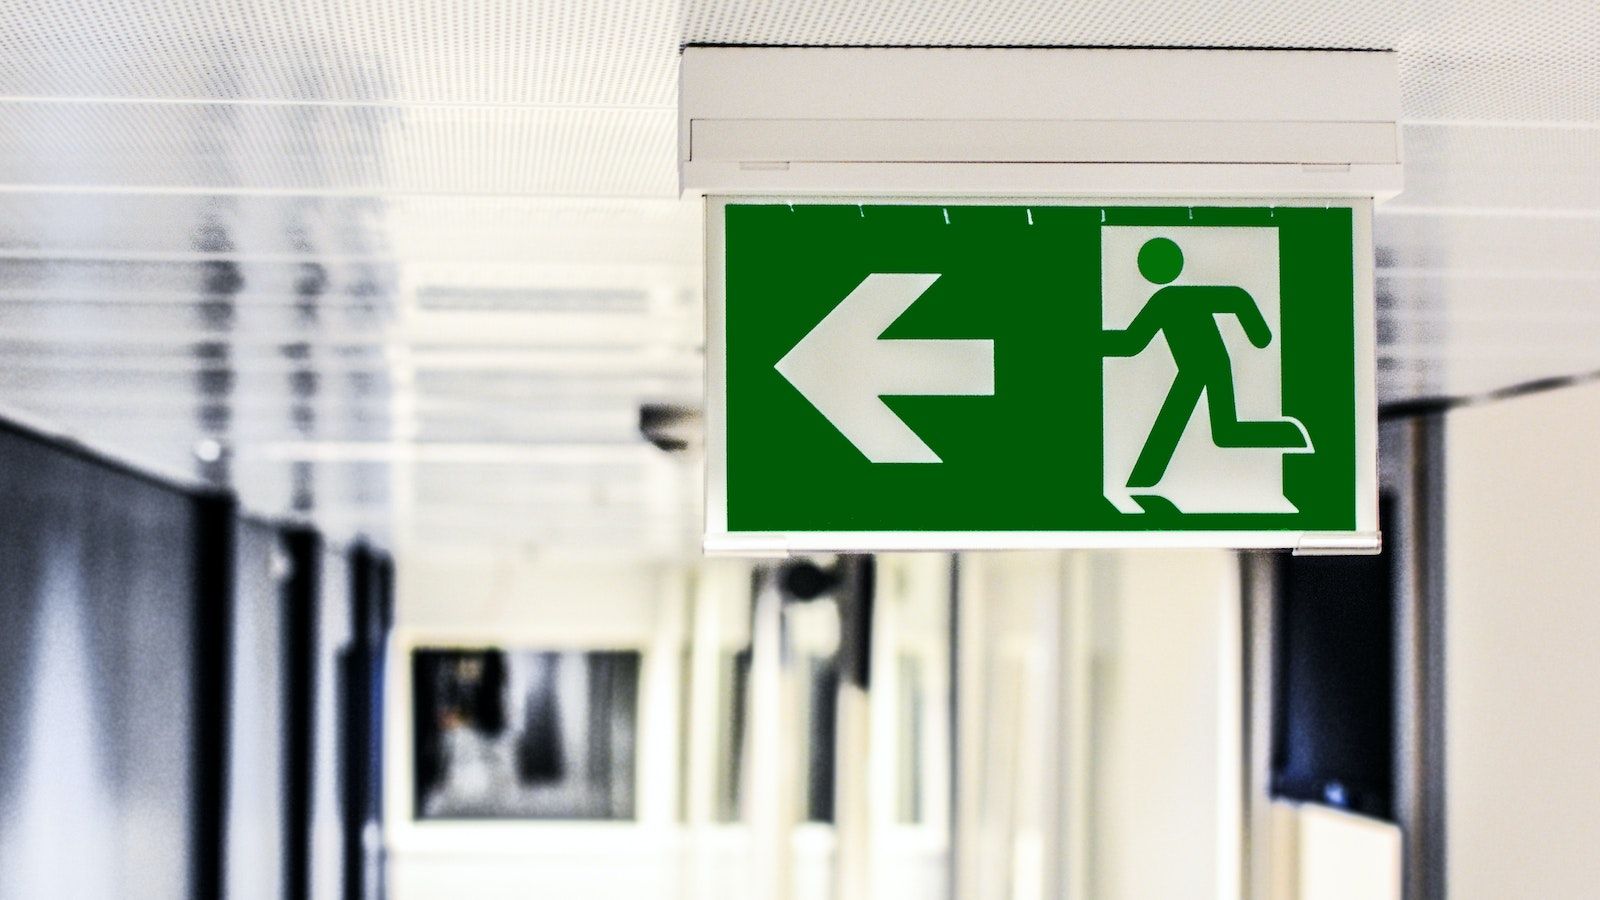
(190, 698)
(1522, 646)
(114, 602)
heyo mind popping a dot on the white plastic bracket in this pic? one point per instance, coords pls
(1039, 122)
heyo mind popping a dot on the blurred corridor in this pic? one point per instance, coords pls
(353, 447)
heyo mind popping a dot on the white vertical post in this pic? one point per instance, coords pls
(709, 596)
(1257, 661)
(938, 759)
(1075, 672)
(858, 769)
(767, 777)
(883, 697)
(662, 680)
(967, 665)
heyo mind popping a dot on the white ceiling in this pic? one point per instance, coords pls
(413, 267)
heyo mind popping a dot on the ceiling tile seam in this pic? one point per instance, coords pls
(48, 100)
(200, 256)
(1424, 273)
(1517, 212)
(1381, 210)
(1508, 124)
(333, 193)
(78, 100)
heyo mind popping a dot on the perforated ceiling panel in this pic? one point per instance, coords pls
(607, 53)
(412, 268)
(342, 149)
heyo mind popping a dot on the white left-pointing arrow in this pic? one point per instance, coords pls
(845, 369)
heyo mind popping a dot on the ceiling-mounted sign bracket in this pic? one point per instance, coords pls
(989, 299)
(1019, 122)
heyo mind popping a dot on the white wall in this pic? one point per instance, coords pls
(1101, 726)
(510, 598)
(1168, 734)
(1522, 647)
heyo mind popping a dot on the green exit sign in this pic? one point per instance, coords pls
(987, 374)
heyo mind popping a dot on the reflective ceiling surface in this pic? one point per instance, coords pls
(411, 269)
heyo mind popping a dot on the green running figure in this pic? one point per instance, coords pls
(1187, 315)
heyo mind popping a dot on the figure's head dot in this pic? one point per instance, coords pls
(1160, 260)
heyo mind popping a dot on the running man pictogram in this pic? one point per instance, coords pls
(1187, 315)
